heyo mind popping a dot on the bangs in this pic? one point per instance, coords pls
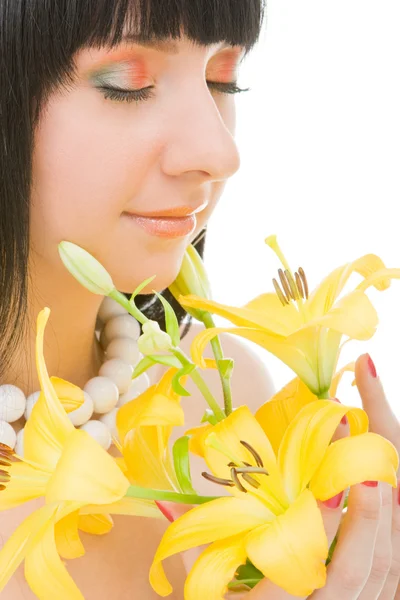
(204, 22)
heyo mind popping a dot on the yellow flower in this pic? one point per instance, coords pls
(192, 279)
(304, 331)
(144, 428)
(80, 482)
(273, 517)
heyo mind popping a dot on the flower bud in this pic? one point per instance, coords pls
(86, 269)
(153, 340)
(192, 279)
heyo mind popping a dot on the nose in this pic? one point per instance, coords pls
(199, 139)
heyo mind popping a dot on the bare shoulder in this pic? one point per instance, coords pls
(251, 380)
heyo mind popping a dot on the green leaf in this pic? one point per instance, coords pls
(180, 453)
(176, 380)
(247, 575)
(225, 367)
(141, 287)
(142, 366)
(171, 321)
(155, 359)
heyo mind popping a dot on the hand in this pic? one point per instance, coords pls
(366, 561)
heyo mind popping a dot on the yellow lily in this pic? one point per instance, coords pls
(78, 493)
(272, 517)
(144, 428)
(304, 331)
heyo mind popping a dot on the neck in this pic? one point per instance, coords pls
(71, 349)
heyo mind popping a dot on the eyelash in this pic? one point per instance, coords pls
(111, 93)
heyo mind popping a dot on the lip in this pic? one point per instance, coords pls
(174, 222)
(166, 227)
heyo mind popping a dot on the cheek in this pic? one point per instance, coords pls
(89, 161)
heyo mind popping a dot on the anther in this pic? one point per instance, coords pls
(293, 288)
(299, 285)
(285, 285)
(279, 293)
(218, 480)
(253, 452)
(236, 481)
(304, 281)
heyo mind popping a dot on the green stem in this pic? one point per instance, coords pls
(129, 306)
(219, 355)
(201, 385)
(135, 491)
(324, 395)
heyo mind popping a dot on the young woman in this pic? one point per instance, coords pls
(117, 126)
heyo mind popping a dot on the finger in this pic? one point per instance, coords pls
(392, 581)
(382, 419)
(382, 559)
(351, 563)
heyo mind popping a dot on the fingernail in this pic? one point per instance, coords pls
(344, 419)
(371, 367)
(370, 483)
(333, 502)
(164, 510)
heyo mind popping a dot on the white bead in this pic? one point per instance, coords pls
(81, 415)
(124, 326)
(12, 403)
(109, 421)
(110, 308)
(119, 371)
(103, 392)
(138, 386)
(7, 434)
(19, 446)
(30, 403)
(126, 349)
(99, 432)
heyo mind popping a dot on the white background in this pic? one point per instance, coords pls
(319, 136)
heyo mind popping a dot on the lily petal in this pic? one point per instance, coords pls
(26, 483)
(48, 426)
(134, 507)
(307, 438)
(289, 353)
(95, 524)
(202, 525)
(291, 551)
(275, 415)
(377, 279)
(95, 480)
(351, 460)
(324, 296)
(70, 395)
(198, 436)
(149, 409)
(214, 569)
(46, 574)
(67, 538)
(264, 312)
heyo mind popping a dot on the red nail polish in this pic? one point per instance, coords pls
(164, 510)
(344, 419)
(371, 367)
(370, 483)
(333, 502)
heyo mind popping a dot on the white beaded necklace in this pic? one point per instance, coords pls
(118, 333)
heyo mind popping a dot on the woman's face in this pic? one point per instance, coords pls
(103, 166)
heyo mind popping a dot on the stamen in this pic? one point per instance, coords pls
(251, 480)
(232, 464)
(218, 480)
(2, 487)
(279, 293)
(299, 285)
(285, 285)
(304, 280)
(253, 452)
(259, 470)
(293, 288)
(236, 481)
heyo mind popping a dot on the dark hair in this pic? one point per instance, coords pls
(38, 41)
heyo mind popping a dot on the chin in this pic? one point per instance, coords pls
(166, 270)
